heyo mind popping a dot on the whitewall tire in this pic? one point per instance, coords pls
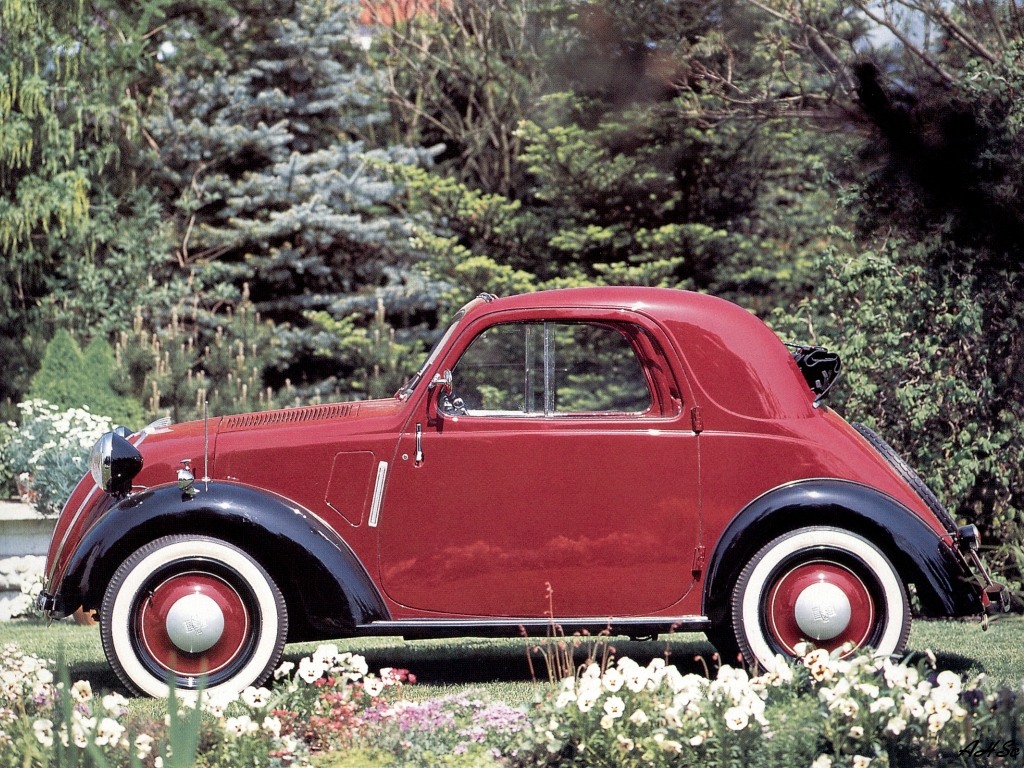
(192, 610)
(822, 585)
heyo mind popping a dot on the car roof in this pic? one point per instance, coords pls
(661, 303)
(744, 365)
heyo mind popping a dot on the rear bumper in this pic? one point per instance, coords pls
(995, 598)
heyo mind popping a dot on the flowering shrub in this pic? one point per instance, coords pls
(49, 452)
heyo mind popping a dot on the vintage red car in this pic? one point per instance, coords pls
(658, 457)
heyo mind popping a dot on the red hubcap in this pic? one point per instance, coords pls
(781, 609)
(152, 624)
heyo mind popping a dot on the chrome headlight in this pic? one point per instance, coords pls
(114, 462)
(968, 537)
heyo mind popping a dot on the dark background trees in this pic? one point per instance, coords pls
(262, 205)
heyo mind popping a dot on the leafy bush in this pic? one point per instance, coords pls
(49, 452)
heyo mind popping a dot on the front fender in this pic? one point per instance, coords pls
(326, 587)
(943, 581)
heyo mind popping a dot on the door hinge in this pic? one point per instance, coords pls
(697, 418)
(699, 555)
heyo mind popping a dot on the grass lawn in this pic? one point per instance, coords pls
(501, 667)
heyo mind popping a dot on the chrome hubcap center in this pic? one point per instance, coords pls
(822, 611)
(195, 623)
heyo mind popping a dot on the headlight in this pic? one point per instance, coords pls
(114, 463)
(968, 537)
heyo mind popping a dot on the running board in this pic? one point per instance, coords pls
(505, 627)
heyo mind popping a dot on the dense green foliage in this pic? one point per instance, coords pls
(262, 205)
(78, 236)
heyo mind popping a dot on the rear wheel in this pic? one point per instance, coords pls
(822, 585)
(185, 608)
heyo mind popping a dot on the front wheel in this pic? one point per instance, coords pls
(192, 610)
(823, 585)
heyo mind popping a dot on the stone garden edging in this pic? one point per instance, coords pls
(24, 537)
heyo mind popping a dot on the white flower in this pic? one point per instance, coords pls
(869, 690)
(614, 707)
(823, 761)
(310, 670)
(882, 704)
(326, 655)
(856, 731)
(859, 761)
(81, 691)
(949, 681)
(81, 728)
(607, 721)
(846, 706)
(667, 745)
(109, 731)
(639, 718)
(239, 726)
(43, 729)
(736, 719)
(143, 745)
(283, 670)
(586, 701)
(589, 692)
(566, 697)
(896, 725)
(373, 686)
(256, 698)
(937, 720)
(613, 680)
(357, 665)
(272, 725)
(115, 704)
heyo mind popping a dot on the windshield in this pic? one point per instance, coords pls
(407, 390)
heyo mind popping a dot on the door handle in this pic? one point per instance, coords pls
(419, 445)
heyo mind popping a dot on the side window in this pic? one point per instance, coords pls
(551, 369)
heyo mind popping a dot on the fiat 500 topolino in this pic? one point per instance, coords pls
(659, 458)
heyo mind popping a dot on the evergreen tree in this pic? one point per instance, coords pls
(71, 378)
(278, 187)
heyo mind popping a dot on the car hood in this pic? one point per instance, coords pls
(164, 449)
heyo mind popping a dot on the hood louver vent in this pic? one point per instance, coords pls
(288, 416)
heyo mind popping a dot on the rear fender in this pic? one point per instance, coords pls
(326, 587)
(943, 582)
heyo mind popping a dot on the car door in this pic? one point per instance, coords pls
(557, 469)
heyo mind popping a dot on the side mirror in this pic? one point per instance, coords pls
(446, 406)
(442, 380)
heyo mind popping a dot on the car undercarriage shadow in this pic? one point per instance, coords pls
(477, 660)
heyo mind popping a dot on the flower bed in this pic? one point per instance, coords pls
(329, 709)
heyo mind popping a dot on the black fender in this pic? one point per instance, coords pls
(326, 587)
(942, 579)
